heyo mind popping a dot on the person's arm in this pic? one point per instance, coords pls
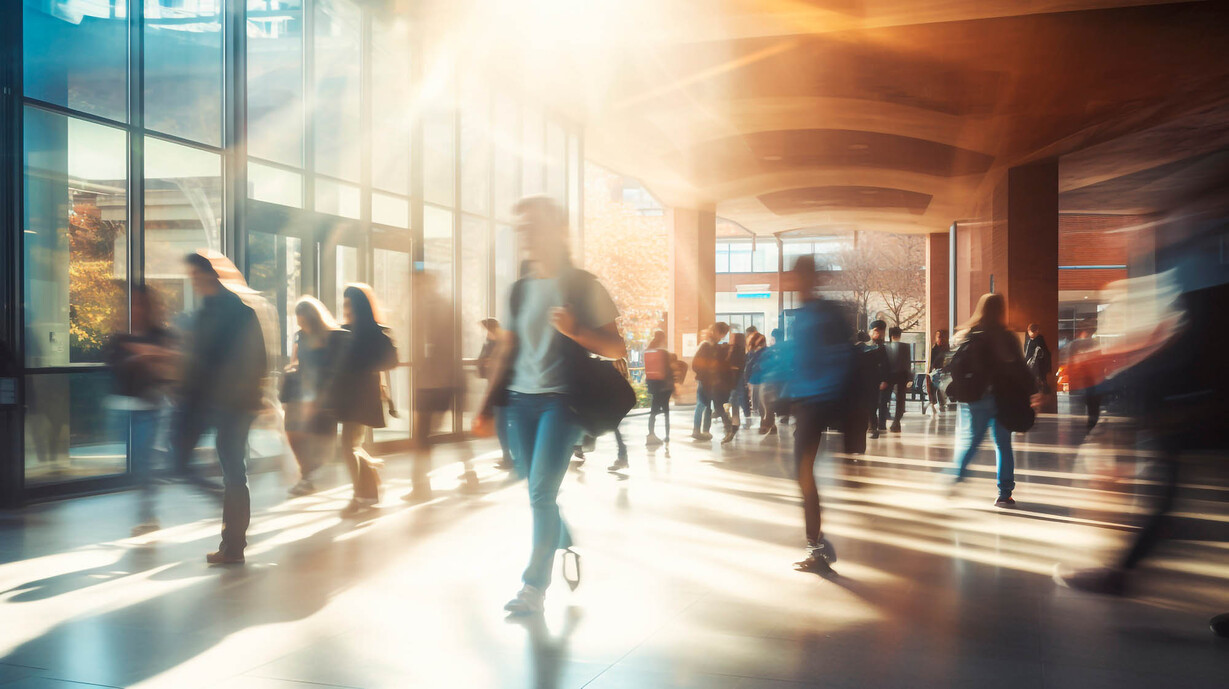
(501, 370)
(604, 341)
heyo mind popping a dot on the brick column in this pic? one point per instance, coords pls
(1025, 246)
(938, 272)
(693, 276)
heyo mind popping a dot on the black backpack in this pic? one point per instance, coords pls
(969, 379)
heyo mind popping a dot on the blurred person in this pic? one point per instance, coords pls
(754, 376)
(736, 353)
(659, 378)
(772, 374)
(939, 350)
(1083, 374)
(311, 420)
(882, 371)
(864, 392)
(486, 362)
(143, 362)
(224, 368)
(711, 363)
(560, 314)
(357, 394)
(436, 381)
(621, 460)
(900, 373)
(818, 389)
(992, 357)
(1037, 358)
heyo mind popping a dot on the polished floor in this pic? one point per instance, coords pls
(686, 578)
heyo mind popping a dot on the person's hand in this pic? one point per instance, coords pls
(564, 320)
(483, 426)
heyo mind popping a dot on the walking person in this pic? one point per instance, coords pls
(560, 315)
(754, 375)
(1037, 357)
(659, 378)
(311, 422)
(621, 459)
(938, 359)
(900, 372)
(818, 388)
(485, 363)
(988, 373)
(224, 371)
(357, 393)
(736, 366)
(772, 375)
(710, 364)
(880, 367)
(143, 362)
(864, 392)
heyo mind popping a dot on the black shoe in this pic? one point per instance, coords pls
(896, 427)
(1220, 625)
(619, 465)
(571, 574)
(875, 435)
(1004, 501)
(224, 557)
(729, 435)
(815, 565)
(1106, 581)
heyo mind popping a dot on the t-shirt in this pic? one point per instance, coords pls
(539, 365)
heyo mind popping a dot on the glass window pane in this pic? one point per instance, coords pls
(275, 80)
(740, 257)
(338, 198)
(183, 69)
(391, 282)
(275, 185)
(556, 162)
(506, 268)
(439, 175)
(475, 258)
(533, 159)
(70, 432)
(347, 272)
(437, 245)
(507, 164)
(76, 237)
(766, 256)
(476, 150)
(338, 32)
(183, 213)
(275, 270)
(390, 106)
(76, 55)
(723, 257)
(390, 210)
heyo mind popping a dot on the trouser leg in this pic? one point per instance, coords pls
(808, 432)
(233, 428)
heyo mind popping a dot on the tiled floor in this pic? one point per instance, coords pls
(687, 580)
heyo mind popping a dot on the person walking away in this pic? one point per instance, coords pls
(659, 378)
(736, 353)
(710, 366)
(559, 314)
(864, 392)
(311, 422)
(754, 374)
(773, 374)
(881, 366)
(988, 366)
(143, 363)
(938, 359)
(818, 390)
(900, 371)
(224, 370)
(1037, 357)
(356, 391)
(485, 362)
(436, 382)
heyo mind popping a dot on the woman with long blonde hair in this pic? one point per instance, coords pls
(311, 423)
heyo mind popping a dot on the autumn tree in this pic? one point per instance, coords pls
(96, 298)
(886, 269)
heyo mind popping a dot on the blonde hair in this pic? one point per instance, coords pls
(316, 313)
(991, 312)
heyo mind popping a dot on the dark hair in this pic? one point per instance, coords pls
(894, 331)
(882, 325)
(362, 305)
(721, 328)
(491, 324)
(1034, 327)
(862, 336)
(201, 263)
(751, 329)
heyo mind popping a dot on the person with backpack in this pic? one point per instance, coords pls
(547, 380)
(821, 358)
(659, 377)
(711, 366)
(990, 377)
(1037, 357)
(900, 371)
(357, 395)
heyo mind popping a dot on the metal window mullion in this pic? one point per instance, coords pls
(366, 111)
(234, 134)
(308, 147)
(12, 440)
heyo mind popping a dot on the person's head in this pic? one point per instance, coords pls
(146, 309)
(894, 333)
(752, 330)
(804, 276)
(312, 316)
(203, 275)
(940, 337)
(1034, 330)
(756, 341)
(491, 326)
(878, 328)
(738, 341)
(862, 336)
(658, 340)
(991, 313)
(717, 331)
(542, 228)
(777, 335)
(359, 307)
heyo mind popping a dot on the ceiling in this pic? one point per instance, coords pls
(893, 115)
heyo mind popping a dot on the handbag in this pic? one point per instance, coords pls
(598, 394)
(291, 387)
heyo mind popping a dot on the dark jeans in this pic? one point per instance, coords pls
(660, 405)
(901, 387)
(622, 445)
(231, 443)
(144, 433)
(1092, 404)
(879, 411)
(709, 402)
(810, 420)
(542, 431)
(1158, 519)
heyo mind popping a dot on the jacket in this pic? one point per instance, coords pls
(226, 363)
(356, 395)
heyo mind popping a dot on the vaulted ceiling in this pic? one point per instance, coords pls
(893, 115)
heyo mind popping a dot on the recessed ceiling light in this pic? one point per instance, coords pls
(772, 158)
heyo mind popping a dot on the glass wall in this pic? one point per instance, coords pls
(128, 163)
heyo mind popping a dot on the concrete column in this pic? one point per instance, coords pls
(693, 279)
(938, 274)
(1025, 246)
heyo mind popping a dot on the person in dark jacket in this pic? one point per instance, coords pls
(311, 421)
(712, 390)
(142, 362)
(224, 371)
(357, 394)
(1037, 357)
(879, 372)
(900, 374)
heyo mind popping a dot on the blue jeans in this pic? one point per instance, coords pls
(702, 420)
(501, 432)
(975, 418)
(541, 435)
(144, 424)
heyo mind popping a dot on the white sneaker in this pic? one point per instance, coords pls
(529, 600)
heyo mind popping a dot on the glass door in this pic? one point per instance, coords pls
(390, 263)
